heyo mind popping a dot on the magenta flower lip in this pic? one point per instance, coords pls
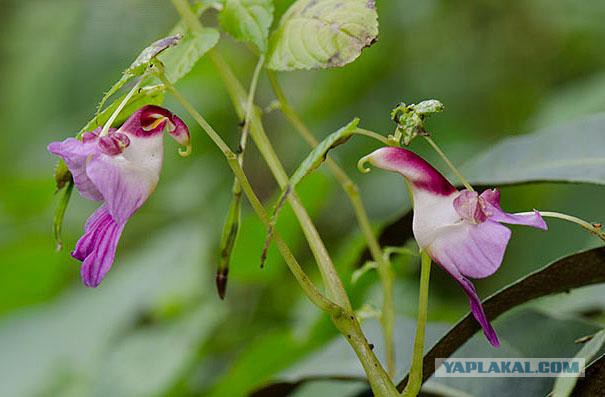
(120, 169)
(460, 230)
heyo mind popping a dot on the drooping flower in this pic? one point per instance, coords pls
(120, 169)
(460, 230)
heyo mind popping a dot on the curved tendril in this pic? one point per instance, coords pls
(185, 152)
(361, 165)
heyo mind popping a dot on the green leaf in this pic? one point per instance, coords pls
(60, 213)
(179, 61)
(228, 239)
(140, 64)
(573, 271)
(248, 20)
(315, 34)
(308, 165)
(570, 152)
(565, 385)
(320, 152)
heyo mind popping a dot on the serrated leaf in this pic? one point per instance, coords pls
(571, 152)
(248, 20)
(574, 271)
(316, 34)
(179, 61)
(308, 165)
(565, 385)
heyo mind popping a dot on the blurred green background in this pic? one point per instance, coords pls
(156, 326)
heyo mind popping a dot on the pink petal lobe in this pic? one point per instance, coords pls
(491, 198)
(124, 187)
(474, 250)
(97, 247)
(76, 154)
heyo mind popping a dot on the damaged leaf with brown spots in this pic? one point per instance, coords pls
(316, 34)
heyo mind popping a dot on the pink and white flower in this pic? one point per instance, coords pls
(120, 169)
(460, 230)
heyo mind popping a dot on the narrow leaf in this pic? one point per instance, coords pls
(228, 239)
(574, 271)
(309, 164)
(60, 214)
(248, 20)
(316, 34)
(565, 385)
(138, 66)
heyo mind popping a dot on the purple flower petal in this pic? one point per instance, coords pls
(491, 198)
(124, 186)
(474, 250)
(75, 154)
(97, 247)
(447, 262)
(421, 174)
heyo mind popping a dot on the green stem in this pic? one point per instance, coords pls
(231, 226)
(124, 102)
(311, 291)
(449, 164)
(371, 134)
(594, 228)
(345, 320)
(415, 379)
(352, 191)
(334, 286)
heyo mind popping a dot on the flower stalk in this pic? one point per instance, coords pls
(415, 380)
(344, 320)
(594, 228)
(351, 189)
(121, 106)
(308, 287)
(231, 226)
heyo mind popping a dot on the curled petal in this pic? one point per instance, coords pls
(414, 168)
(491, 198)
(76, 154)
(97, 247)
(478, 312)
(179, 131)
(151, 120)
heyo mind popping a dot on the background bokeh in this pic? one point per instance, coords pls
(156, 326)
